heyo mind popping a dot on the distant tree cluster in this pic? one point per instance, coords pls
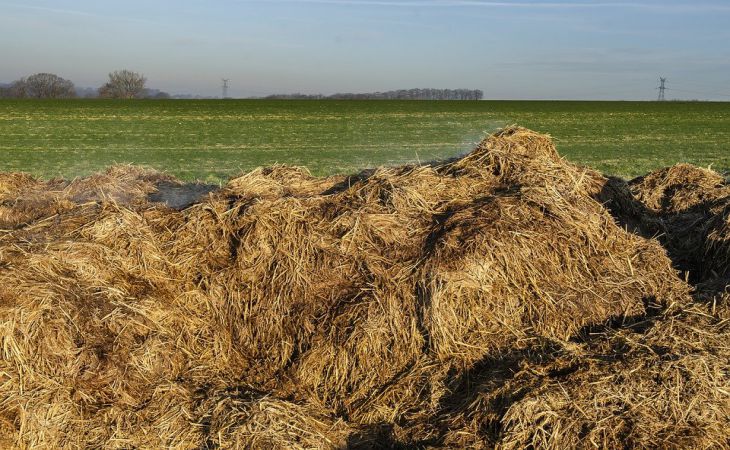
(402, 94)
(5, 91)
(41, 85)
(122, 84)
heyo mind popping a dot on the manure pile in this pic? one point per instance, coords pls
(507, 299)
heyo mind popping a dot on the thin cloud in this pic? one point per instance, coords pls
(73, 12)
(496, 4)
(51, 10)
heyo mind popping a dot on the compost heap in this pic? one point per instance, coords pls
(505, 299)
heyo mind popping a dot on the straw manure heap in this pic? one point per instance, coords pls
(491, 301)
(690, 208)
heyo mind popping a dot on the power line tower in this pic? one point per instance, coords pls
(661, 88)
(225, 87)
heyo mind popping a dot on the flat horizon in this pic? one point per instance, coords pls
(539, 50)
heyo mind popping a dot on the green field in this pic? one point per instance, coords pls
(212, 140)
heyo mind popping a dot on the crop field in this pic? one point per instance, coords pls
(213, 140)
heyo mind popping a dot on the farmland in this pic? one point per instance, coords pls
(213, 140)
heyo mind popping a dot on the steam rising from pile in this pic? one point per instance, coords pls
(489, 301)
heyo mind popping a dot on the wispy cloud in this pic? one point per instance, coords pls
(72, 12)
(506, 4)
(51, 10)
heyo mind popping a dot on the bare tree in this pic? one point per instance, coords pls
(42, 85)
(18, 89)
(124, 84)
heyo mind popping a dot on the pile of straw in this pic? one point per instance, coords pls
(488, 301)
(24, 199)
(689, 209)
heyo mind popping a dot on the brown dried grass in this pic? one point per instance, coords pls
(447, 305)
(689, 209)
(24, 199)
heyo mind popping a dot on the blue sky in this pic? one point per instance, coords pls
(510, 49)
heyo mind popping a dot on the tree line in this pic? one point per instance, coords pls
(122, 84)
(125, 84)
(401, 94)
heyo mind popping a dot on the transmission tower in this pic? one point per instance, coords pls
(661, 88)
(225, 87)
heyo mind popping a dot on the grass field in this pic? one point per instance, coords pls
(211, 140)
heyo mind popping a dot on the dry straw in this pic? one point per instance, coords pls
(492, 301)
